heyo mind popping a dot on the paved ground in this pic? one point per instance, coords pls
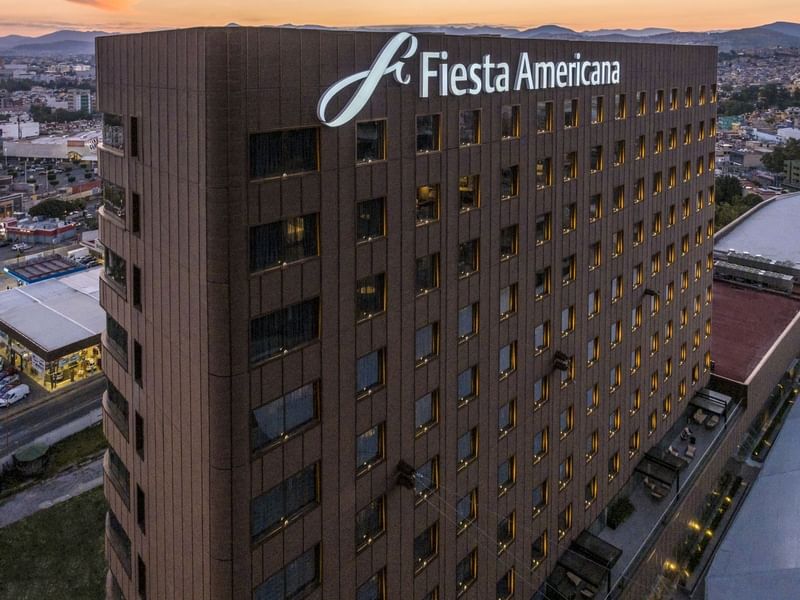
(53, 491)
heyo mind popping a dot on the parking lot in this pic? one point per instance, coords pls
(35, 171)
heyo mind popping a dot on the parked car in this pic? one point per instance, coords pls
(9, 379)
(20, 246)
(15, 394)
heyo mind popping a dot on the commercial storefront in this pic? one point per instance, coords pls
(51, 330)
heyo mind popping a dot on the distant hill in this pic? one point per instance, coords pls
(64, 42)
(63, 48)
(784, 27)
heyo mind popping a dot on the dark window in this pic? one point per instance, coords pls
(466, 572)
(467, 258)
(370, 141)
(118, 339)
(469, 192)
(273, 509)
(284, 329)
(427, 203)
(467, 384)
(505, 532)
(281, 417)
(467, 321)
(137, 288)
(544, 173)
(120, 476)
(369, 448)
(428, 138)
(136, 213)
(467, 447)
(370, 219)
(509, 121)
(113, 132)
(370, 522)
(283, 242)
(280, 153)
(137, 362)
(372, 589)
(426, 411)
(370, 296)
(466, 509)
(370, 372)
(426, 344)
(425, 546)
(506, 417)
(508, 241)
(294, 580)
(509, 182)
(427, 275)
(469, 127)
(140, 509)
(141, 578)
(134, 134)
(508, 300)
(506, 475)
(139, 435)
(505, 585)
(570, 113)
(426, 478)
(119, 541)
(114, 199)
(117, 408)
(544, 117)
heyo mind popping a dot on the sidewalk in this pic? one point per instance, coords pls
(51, 492)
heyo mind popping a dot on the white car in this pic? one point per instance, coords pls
(15, 395)
(20, 246)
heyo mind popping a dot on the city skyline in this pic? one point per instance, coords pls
(141, 15)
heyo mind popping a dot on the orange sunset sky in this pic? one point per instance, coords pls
(37, 17)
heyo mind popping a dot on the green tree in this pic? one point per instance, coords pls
(728, 189)
(54, 208)
(783, 152)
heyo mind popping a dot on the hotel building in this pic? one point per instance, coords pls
(387, 322)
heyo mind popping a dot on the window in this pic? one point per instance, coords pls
(564, 472)
(568, 267)
(509, 121)
(370, 141)
(636, 317)
(652, 422)
(569, 217)
(673, 138)
(567, 371)
(508, 300)
(638, 275)
(509, 241)
(543, 229)
(597, 109)
(658, 183)
(593, 303)
(373, 589)
(542, 283)
(641, 103)
(509, 182)
(713, 93)
(467, 321)
(544, 173)
(118, 408)
(596, 159)
(427, 273)
(467, 510)
(570, 113)
(426, 343)
(508, 359)
(701, 100)
(426, 412)
(141, 508)
(564, 521)
(701, 135)
(427, 204)
(117, 337)
(506, 529)
(369, 448)
(136, 213)
(279, 418)
(617, 243)
(615, 378)
(668, 331)
(616, 288)
(687, 102)
(615, 335)
(370, 523)
(595, 207)
(283, 330)
(134, 130)
(590, 492)
(592, 351)
(115, 269)
(544, 117)
(281, 153)
(469, 192)
(469, 127)
(275, 508)
(658, 143)
(613, 466)
(570, 170)
(113, 200)
(636, 401)
(659, 101)
(426, 479)
(540, 444)
(506, 476)
(666, 406)
(655, 264)
(467, 384)
(673, 99)
(641, 147)
(120, 476)
(370, 219)
(467, 258)
(614, 422)
(595, 256)
(113, 132)
(619, 153)
(370, 372)
(466, 572)
(592, 445)
(621, 106)
(506, 417)
(541, 391)
(687, 134)
(566, 421)
(672, 178)
(539, 550)
(567, 320)
(638, 233)
(138, 433)
(636, 359)
(467, 448)
(370, 296)
(137, 288)
(506, 585)
(426, 546)
(428, 133)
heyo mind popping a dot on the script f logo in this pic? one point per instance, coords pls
(381, 66)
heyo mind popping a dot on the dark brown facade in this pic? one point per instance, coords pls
(212, 335)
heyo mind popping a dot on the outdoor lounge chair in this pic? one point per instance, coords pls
(690, 450)
(712, 421)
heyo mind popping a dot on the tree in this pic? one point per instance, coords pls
(774, 161)
(54, 208)
(728, 189)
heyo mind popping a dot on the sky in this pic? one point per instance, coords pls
(37, 17)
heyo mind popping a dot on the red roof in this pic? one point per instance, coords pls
(746, 323)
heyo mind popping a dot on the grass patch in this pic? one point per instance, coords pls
(56, 553)
(68, 452)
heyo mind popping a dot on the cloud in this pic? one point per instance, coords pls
(104, 4)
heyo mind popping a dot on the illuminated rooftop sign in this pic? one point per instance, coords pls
(438, 77)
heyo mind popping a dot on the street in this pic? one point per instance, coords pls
(48, 416)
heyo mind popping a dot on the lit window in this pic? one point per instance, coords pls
(469, 192)
(544, 173)
(370, 296)
(636, 359)
(592, 444)
(633, 444)
(641, 103)
(564, 521)
(636, 401)
(613, 466)
(659, 101)
(614, 422)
